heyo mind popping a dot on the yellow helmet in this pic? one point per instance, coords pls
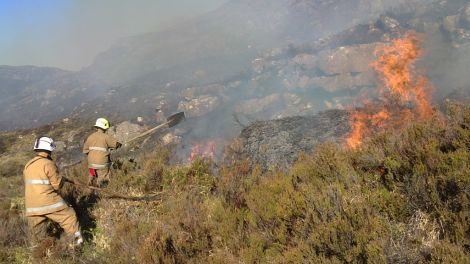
(102, 123)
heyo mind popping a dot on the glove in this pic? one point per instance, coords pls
(64, 179)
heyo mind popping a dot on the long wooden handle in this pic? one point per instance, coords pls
(150, 131)
(112, 195)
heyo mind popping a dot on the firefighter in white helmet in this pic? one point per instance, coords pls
(97, 147)
(42, 200)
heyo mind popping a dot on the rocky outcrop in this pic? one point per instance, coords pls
(277, 143)
(346, 68)
(125, 131)
(254, 106)
(199, 106)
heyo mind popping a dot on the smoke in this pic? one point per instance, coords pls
(69, 34)
(447, 62)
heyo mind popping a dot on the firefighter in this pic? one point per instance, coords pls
(42, 200)
(97, 148)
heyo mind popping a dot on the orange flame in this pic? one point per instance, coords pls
(203, 149)
(395, 66)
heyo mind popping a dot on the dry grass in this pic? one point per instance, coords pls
(402, 198)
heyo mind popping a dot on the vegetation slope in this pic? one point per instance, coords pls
(402, 197)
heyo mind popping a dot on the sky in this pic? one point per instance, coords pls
(68, 34)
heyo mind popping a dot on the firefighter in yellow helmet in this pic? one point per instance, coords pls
(42, 201)
(97, 148)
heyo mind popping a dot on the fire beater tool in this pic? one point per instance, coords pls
(113, 195)
(171, 121)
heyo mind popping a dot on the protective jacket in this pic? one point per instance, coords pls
(97, 147)
(42, 180)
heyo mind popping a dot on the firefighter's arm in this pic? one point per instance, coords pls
(52, 173)
(112, 142)
(86, 147)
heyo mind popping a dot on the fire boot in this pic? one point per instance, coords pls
(74, 242)
(92, 179)
(78, 239)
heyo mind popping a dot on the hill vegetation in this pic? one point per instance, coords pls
(402, 197)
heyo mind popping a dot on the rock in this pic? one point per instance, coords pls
(171, 138)
(349, 59)
(160, 116)
(338, 102)
(60, 146)
(308, 61)
(193, 92)
(277, 143)
(346, 81)
(334, 83)
(465, 16)
(387, 23)
(291, 99)
(450, 23)
(254, 106)
(125, 131)
(258, 65)
(199, 106)
(461, 36)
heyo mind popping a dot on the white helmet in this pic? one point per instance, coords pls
(44, 143)
(102, 123)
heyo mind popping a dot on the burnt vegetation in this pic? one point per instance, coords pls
(403, 197)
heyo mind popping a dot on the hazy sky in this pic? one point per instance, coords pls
(69, 33)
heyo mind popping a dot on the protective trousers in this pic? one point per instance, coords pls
(66, 218)
(99, 177)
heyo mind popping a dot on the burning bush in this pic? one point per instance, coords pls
(402, 197)
(404, 97)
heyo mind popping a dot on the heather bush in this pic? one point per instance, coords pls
(12, 166)
(403, 197)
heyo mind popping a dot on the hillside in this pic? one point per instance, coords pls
(34, 96)
(139, 73)
(300, 78)
(403, 197)
(322, 131)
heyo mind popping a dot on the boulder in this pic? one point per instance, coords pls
(199, 106)
(60, 146)
(387, 23)
(333, 83)
(465, 16)
(125, 131)
(450, 23)
(193, 92)
(276, 144)
(171, 138)
(309, 61)
(349, 59)
(345, 81)
(258, 65)
(254, 106)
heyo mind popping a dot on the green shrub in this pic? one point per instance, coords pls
(12, 166)
(403, 197)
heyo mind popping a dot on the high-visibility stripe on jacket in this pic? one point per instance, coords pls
(99, 166)
(42, 180)
(45, 208)
(97, 147)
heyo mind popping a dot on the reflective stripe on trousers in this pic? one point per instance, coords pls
(99, 166)
(44, 208)
(40, 182)
(99, 149)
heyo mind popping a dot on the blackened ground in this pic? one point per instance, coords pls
(278, 143)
